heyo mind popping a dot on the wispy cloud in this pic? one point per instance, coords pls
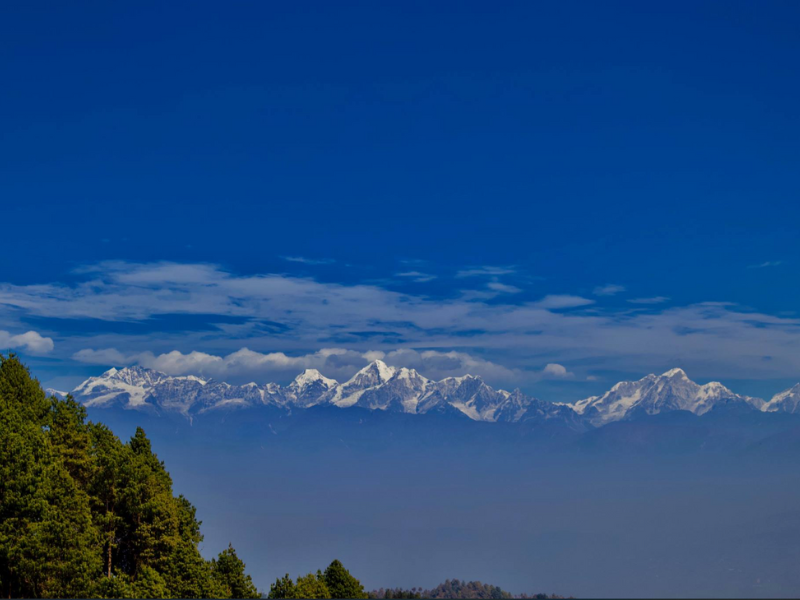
(556, 371)
(764, 265)
(610, 289)
(485, 271)
(556, 301)
(416, 276)
(298, 315)
(30, 341)
(338, 363)
(652, 300)
(503, 288)
(309, 261)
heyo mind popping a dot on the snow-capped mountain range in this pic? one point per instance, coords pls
(381, 387)
(656, 394)
(375, 387)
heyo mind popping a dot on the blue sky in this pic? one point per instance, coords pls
(610, 187)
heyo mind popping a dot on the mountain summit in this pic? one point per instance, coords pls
(655, 394)
(787, 401)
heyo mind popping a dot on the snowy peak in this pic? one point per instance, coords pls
(309, 388)
(378, 386)
(375, 373)
(140, 388)
(656, 394)
(136, 376)
(676, 373)
(472, 397)
(310, 377)
(397, 390)
(787, 401)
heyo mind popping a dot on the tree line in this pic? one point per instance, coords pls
(83, 514)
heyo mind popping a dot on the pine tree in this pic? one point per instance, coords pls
(47, 540)
(282, 588)
(150, 584)
(189, 575)
(341, 583)
(229, 571)
(150, 515)
(311, 586)
(108, 454)
(84, 515)
(69, 437)
(114, 586)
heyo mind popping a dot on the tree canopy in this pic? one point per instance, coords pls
(341, 583)
(335, 582)
(83, 514)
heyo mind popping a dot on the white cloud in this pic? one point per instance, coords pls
(110, 357)
(503, 288)
(309, 261)
(287, 317)
(485, 271)
(339, 363)
(30, 341)
(372, 355)
(610, 289)
(769, 263)
(243, 363)
(557, 371)
(556, 301)
(653, 300)
(438, 365)
(416, 276)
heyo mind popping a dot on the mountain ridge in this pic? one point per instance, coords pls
(378, 386)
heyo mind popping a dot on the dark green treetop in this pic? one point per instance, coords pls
(311, 586)
(341, 583)
(282, 588)
(229, 571)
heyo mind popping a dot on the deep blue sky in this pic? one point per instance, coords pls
(558, 147)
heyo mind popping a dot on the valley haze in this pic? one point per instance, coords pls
(658, 487)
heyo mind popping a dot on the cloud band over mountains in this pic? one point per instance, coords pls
(289, 321)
